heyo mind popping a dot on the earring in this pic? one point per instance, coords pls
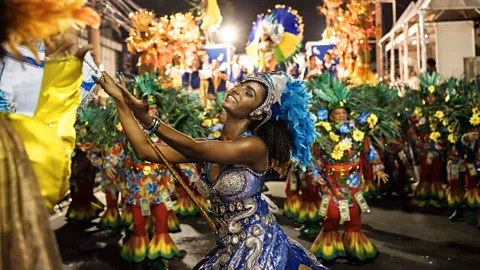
(257, 116)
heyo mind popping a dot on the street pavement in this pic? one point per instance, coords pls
(407, 238)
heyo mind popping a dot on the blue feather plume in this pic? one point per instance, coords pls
(300, 121)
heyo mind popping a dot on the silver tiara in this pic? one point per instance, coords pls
(276, 83)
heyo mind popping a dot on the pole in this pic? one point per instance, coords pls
(378, 37)
(400, 61)
(419, 67)
(181, 182)
(392, 59)
(394, 11)
(405, 53)
(423, 44)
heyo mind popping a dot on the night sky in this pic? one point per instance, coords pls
(241, 14)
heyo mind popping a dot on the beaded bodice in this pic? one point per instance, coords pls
(233, 184)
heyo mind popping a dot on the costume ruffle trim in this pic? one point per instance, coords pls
(371, 190)
(358, 246)
(455, 197)
(308, 212)
(173, 223)
(127, 217)
(472, 197)
(422, 191)
(436, 192)
(328, 246)
(291, 207)
(83, 213)
(135, 250)
(185, 207)
(162, 246)
(110, 219)
(203, 201)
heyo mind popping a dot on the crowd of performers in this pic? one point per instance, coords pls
(366, 136)
(364, 150)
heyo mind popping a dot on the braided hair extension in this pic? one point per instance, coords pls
(278, 140)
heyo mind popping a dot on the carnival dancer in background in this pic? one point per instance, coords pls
(36, 182)
(252, 108)
(329, 65)
(211, 19)
(115, 186)
(237, 71)
(269, 47)
(311, 69)
(293, 69)
(191, 80)
(308, 214)
(455, 162)
(295, 179)
(184, 206)
(148, 196)
(205, 72)
(427, 121)
(217, 84)
(340, 145)
(463, 159)
(84, 206)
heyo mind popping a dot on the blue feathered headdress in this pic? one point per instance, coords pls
(288, 100)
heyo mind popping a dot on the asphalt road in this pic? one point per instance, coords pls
(407, 238)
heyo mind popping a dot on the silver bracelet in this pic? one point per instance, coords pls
(154, 126)
(151, 124)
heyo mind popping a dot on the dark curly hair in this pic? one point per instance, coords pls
(277, 138)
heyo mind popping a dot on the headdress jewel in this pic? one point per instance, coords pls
(288, 100)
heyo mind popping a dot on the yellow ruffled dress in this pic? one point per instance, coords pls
(213, 18)
(49, 137)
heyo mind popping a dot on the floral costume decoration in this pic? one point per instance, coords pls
(451, 127)
(98, 125)
(184, 205)
(465, 161)
(148, 189)
(148, 194)
(339, 148)
(114, 158)
(427, 123)
(84, 206)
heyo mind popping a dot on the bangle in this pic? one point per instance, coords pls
(151, 124)
(154, 125)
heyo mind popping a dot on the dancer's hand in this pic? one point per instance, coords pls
(381, 177)
(117, 91)
(110, 172)
(108, 84)
(319, 181)
(65, 44)
(472, 136)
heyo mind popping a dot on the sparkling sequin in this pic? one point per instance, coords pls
(230, 183)
(235, 239)
(239, 206)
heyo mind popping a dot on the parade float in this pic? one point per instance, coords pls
(350, 25)
(163, 43)
(276, 37)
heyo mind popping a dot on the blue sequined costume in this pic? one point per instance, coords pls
(249, 236)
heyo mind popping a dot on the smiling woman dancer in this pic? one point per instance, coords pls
(267, 120)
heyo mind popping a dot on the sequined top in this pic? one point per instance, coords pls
(248, 234)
